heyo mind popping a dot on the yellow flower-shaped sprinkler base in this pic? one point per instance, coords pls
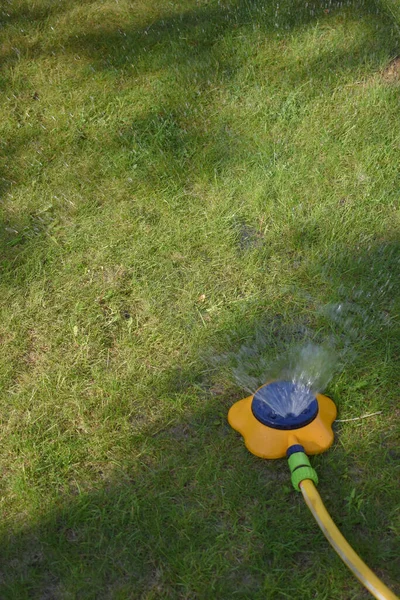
(268, 435)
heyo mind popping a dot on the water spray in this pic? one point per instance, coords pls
(285, 418)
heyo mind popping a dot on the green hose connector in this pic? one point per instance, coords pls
(300, 468)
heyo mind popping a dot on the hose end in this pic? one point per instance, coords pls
(300, 466)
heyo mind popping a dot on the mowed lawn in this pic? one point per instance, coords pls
(188, 187)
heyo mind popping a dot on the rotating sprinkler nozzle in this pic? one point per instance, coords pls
(284, 418)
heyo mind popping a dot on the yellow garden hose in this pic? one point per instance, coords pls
(374, 585)
(269, 434)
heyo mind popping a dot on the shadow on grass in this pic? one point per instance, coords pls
(173, 140)
(176, 141)
(190, 37)
(21, 241)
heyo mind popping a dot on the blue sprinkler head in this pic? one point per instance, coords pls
(274, 394)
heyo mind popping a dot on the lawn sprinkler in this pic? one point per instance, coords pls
(285, 418)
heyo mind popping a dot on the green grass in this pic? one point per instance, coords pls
(175, 178)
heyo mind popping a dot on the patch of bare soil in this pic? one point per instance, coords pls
(392, 72)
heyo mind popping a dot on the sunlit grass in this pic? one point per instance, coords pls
(173, 177)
